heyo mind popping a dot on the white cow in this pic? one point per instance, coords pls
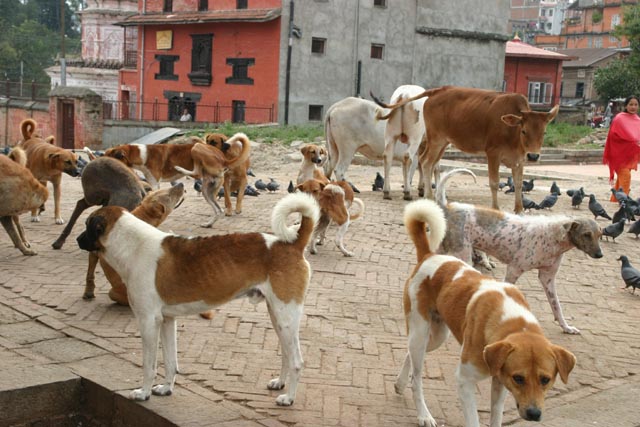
(405, 124)
(351, 126)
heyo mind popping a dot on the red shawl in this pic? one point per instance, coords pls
(622, 149)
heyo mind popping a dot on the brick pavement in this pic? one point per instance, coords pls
(352, 335)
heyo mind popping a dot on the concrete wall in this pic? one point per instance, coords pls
(426, 42)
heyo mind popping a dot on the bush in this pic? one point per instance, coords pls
(270, 133)
(562, 134)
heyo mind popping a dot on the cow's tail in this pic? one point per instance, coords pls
(429, 92)
(27, 128)
(297, 235)
(417, 216)
(246, 149)
(19, 156)
(441, 197)
(332, 148)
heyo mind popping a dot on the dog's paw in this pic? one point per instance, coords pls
(276, 384)
(139, 395)
(284, 400)
(427, 421)
(59, 221)
(88, 295)
(399, 386)
(162, 390)
(228, 213)
(35, 218)
(29, 252)
(570, 330)
(347, 253)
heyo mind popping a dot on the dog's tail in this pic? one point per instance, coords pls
(417, 216)
(302, 203)
(359, 212)
(90, 153)
(50, 140)
(27, 128)
(195, 172)
(441, 197)
(429, 92)
(246, 149)
(19, 156)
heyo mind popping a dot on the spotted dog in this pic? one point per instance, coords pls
(521, 242)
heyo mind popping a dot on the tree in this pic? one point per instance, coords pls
(621, 78)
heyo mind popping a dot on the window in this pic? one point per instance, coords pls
(237, 111)
(540, 92)
(380, 3)
(167, 6)
(166, 67)
(543, 12)
(550, 12)
(377, 50)
(130, 47)
(203, 5)
(597, 42)
(580, 90)
(201, 52)
(615, 20)
(240, 71)
(318, 45)
(242, 4)
(315, 112)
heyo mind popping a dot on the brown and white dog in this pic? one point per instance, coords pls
(335, 200)
(20, 192)
(500, 337)
(47, 162)
(157, 162)
(235, 177)
(211, 164)
(521, 242)
(169, 276)
(313, 158)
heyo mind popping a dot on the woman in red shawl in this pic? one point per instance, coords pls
(622, 149)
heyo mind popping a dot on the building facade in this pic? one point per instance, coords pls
(288, 61)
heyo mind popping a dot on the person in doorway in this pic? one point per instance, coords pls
(186, 116)
(622, 148)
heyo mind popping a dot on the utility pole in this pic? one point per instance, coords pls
(63, 64)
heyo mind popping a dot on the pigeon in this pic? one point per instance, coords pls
(548, 201)
(571, 192)
(197, 185)
(6, 150)
(620, 214)
(630, 275)
(576, 199)
(221, 193)
(378, 182)
(353, 187)
(597, 209)
(527, 186)
(250, 173)
(619, 194)
(291, 188)
(250, 191)
(613, 230)
(81, 164)
(272, 185)
(555, 189)
(260, 185)
(509, 183)
(528, 204)
(634, 228)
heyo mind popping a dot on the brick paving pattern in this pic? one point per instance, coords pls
(353, 334)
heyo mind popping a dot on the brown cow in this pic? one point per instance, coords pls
(499, 124)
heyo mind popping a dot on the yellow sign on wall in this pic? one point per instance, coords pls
(164, 39)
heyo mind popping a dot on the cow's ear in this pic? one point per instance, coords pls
(553, 113)
(511, 120)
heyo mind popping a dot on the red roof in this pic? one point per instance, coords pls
(232, 15)
(516, 48)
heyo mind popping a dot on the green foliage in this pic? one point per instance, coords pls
(596, 17)
(618, 80)
(30, 35)
(282, 134)
(563, 134)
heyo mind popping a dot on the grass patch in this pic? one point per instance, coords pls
(564, 135)
(270, 133)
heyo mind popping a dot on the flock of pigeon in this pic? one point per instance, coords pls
(629, 208)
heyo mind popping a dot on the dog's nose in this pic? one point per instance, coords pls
(598, 254)
(533, 414)
(533, 157)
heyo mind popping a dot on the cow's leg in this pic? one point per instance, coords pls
(409, 166)
(389, 148)
(518, 174)
(344, 158)
(493, 165)
(429, 161)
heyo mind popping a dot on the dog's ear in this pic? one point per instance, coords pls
(158, 210)
(50, 139)
(565, 362)
(120, 155)
(495, 355)
(323, 151)
(96, 226)
(304, 149)
(53, 156)
(300, 187)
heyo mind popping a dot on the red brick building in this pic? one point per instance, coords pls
(533, 72)
(218, 59)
